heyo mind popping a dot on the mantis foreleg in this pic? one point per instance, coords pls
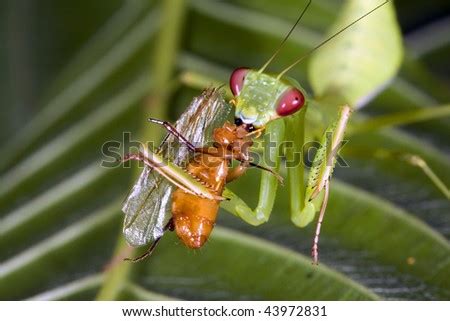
(315, 247)
(317, 188)
(269, 182)
(321, 169)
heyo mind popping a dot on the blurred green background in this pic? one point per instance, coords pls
(77, 73)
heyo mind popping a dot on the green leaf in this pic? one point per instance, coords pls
(24, 273)
(78, 96)
(270, 272)
(77, 289)
(377, 226)
(357, 62)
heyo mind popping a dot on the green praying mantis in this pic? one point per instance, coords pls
(275, 104)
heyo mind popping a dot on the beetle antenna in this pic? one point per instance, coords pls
(285, 38)
(277, 176)
(330, 38)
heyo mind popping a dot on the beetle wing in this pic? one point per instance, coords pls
(147, 207)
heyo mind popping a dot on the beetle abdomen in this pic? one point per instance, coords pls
(193, 218)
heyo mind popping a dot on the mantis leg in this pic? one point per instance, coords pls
(315, 247)
(320, 172)
(269, 182)
(317, 189)
(294, 163)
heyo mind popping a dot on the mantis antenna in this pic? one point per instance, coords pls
(330, 38)
(285, 38)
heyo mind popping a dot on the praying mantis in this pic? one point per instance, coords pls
(277, 106)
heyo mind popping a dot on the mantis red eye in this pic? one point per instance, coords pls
(237, 80)
(290, 102)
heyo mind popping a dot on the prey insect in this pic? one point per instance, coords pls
(168, 196)
(199, 186)
(148, 211)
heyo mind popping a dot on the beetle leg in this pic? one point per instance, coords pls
(146, 253)
(240, 170)
(169, 226)
(174, 174)
(172, 130)
(237, 172)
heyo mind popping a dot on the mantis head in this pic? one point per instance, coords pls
(260, 98)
